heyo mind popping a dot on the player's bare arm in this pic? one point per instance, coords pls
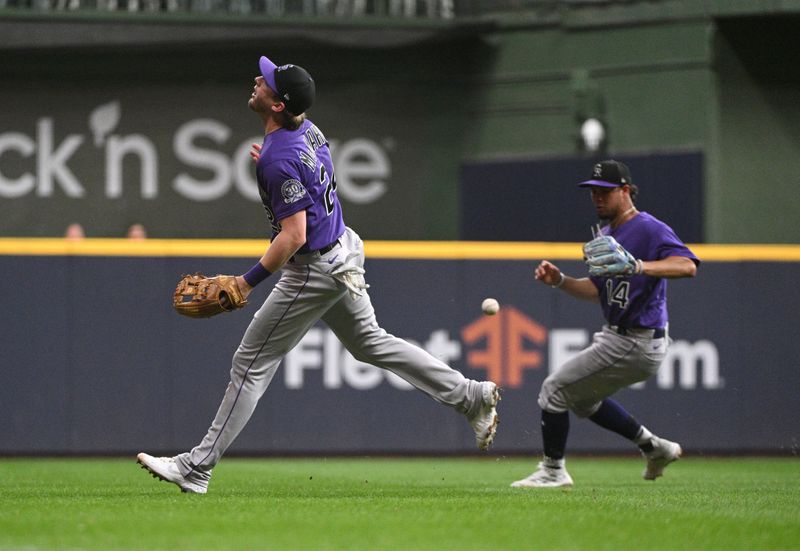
(291, 237)
(671, 267)
(582, 288)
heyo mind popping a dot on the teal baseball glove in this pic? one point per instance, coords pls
(607, 258)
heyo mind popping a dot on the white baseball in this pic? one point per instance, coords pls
(490, 306)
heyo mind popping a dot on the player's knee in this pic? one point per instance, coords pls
(361, 350)
(246, 361)
(361, 355)
(551, 400)
(370, 344)
(553, 406)
(239, 363)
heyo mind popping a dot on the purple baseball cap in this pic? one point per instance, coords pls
(293, 85)
(268, 71)
(609, 174)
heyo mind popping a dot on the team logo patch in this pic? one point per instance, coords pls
(292, 191)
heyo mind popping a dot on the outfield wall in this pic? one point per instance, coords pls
(129, 140)
(95, 360)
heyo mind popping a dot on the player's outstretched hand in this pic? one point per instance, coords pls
(547, 273)
(255, 151)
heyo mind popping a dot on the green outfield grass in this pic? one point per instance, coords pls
(440, 504)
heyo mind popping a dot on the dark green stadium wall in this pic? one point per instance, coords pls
(652, 85)
(757, 93)
(509, 89)
(727, 87)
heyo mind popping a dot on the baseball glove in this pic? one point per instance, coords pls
(606, 257)
(198, 296)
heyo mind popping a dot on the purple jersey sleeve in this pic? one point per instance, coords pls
(640, 301)
(284, 183)
(294, 173)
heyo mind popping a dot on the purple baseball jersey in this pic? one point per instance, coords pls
(295, 173)
(640, 301)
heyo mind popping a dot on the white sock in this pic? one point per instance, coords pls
(643, 437)
(553, 463)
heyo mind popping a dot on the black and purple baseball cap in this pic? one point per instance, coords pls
(292, 83)
(609, 174)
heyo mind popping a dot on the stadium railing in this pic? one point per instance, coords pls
(437, 9)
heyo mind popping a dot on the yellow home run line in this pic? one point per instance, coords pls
(448, 250)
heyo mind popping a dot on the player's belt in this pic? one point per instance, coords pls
(658, 333)
(326, 248)
(311, 255)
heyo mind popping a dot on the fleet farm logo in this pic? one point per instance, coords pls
(510, 348)
(512, 344)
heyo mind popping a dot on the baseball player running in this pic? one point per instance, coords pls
(322, 277)
(629, 261)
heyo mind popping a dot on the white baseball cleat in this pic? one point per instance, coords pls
(545, 477)
(164, 468)
(485, 422)
(664, 452)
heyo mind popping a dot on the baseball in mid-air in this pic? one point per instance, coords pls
(490, 306)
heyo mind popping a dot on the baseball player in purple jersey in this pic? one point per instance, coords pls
(322, 277)
(629, 262)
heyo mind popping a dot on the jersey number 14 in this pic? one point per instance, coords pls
(617, 294)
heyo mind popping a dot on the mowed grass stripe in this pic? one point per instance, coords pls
(354, 504)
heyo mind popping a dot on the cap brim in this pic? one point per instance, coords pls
(268, 72)
(598, 183)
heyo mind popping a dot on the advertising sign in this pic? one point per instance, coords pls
(103, 365)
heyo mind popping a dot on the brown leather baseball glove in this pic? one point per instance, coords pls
(198, 296)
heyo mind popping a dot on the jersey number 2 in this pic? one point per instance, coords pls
(619, 294)
(330, 187)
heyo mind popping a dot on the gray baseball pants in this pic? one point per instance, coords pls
(610, 363)
(305, 293)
